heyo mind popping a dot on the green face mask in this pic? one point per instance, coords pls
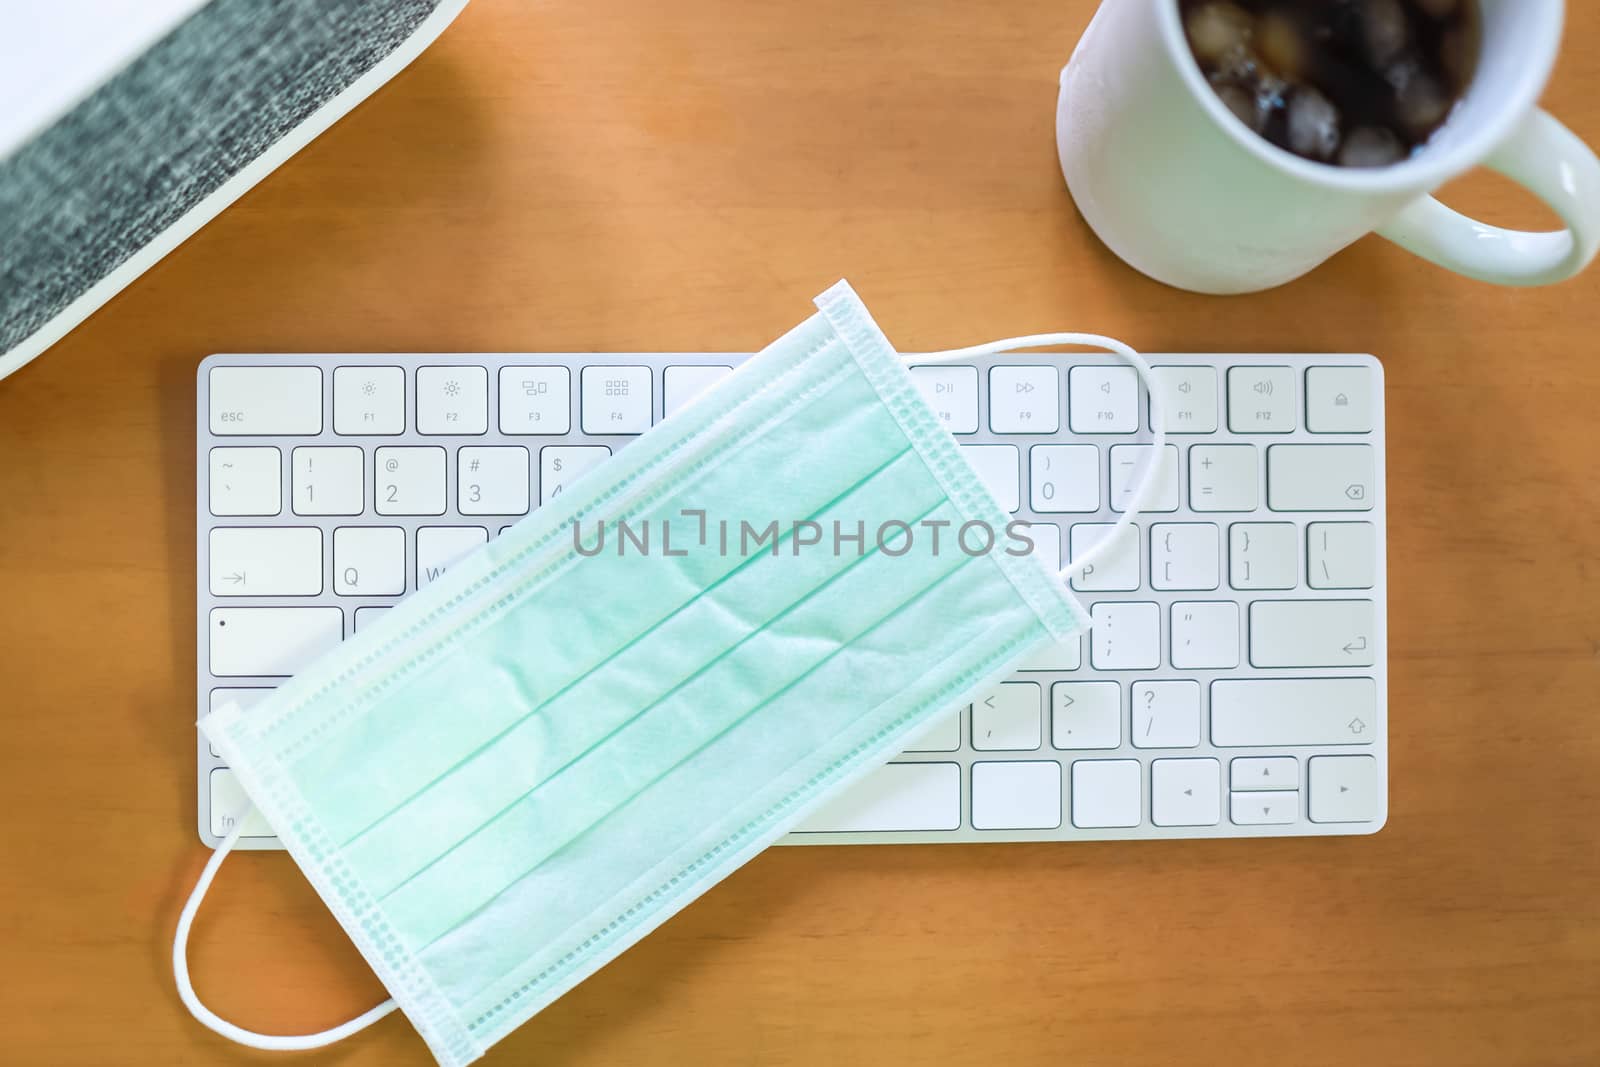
(536, 760)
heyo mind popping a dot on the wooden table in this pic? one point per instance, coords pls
(626, 174)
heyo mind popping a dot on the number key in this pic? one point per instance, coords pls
(492, 481)
(410, 480)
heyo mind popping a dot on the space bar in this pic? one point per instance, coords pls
(899, 796)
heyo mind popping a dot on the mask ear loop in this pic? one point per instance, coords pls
(214, 1022)
(1158, 420)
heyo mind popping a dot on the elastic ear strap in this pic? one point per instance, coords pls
(214, 1022)
(1158, 419)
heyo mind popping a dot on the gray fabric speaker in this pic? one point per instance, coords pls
(120, 177)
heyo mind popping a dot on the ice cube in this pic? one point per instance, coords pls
(1241, 102)
(1420, 102)
(1216, 29)
(1280, 45)
(1313, 124)
(1371, 146)
(1385, 31)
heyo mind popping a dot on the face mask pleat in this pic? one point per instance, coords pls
(629, 685)
(826, 703)
(692, 715)
(579, 617)
(697, 444)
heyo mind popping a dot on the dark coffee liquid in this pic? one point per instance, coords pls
(1358, 83)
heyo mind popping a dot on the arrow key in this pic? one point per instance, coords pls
(1345, 789)
(1185, 792)
(1264, 773)
(1264, 809)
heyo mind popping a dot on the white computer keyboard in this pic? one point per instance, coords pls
(1234, 684)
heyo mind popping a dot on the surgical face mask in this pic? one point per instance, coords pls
(535, 761)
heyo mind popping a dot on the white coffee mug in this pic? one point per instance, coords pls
(1180, 188)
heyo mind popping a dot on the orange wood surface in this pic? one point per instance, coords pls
(634, 175)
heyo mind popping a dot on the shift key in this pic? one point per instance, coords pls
(1291, 712)
(1312, 633)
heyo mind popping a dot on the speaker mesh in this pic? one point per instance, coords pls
(128, 162)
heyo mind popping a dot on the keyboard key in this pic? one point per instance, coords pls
(1312, 633)
(492, 480)
(1345, 789)
(440, 546)
(1024, 399)
(617, 400)
(1264, 809)
(1064, 478)
(1166, 714)
(535, 400)
(1009, 718)
(245, 481)
(1064, 655)
(369, 400)
(1224, 478)
(1046, 538)
(266, 401)
(1342, 555)
(1105, 793)
(1185, 555)
(266, 561)
(328, 481)
(1117, 570)
(369, 561)
(1128, 471)
(1263, 555)
(562, 465)
(1261, 400)
(682, 385)
(452, 400)
(952, 393)
(1016, 796)
(1289, 712)
(1205, 636)
(1126, 637)
(896, 796)
(229, 802)
(365, 617)
(1000, 468)
(941, 735)
(1103, 399)
(1339, 400)
(270, 642)
(244, 698)
(410, 480)
(1252, 773)
(1320, 477)
(1185, 792)
(1189, 397)
(1085, 715)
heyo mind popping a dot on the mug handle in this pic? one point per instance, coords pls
(1551, 162)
